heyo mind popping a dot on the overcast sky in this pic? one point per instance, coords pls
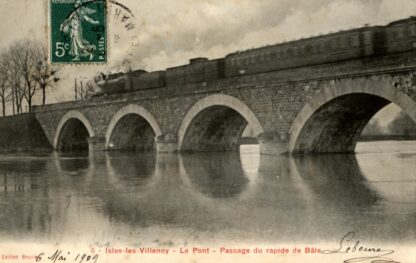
(170, 32)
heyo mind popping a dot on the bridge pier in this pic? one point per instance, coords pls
(96, 144)
(273, 143)
(167, 143)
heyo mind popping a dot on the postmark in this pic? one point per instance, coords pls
(123, 35)
(78, 31)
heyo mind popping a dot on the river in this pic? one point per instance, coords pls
(172, 199)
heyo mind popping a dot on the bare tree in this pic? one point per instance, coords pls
(24, 55)
(26, 71)
(44, 74)
(14, 78)
(5, 88)
(402, 125)
(373, 128)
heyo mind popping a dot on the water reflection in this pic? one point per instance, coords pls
(218, 175)
(72, 162)
(108, 196)
(22, 177)
(160, 202)
(21, 182)
(131, 169)
(392, 176)
(336, 179)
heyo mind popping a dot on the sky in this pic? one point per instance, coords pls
(169, 32)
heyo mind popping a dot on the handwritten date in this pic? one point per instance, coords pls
(60, 256)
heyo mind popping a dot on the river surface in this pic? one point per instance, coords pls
(172, 199)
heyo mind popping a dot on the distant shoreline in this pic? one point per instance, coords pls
(367, 138)
(248, 140)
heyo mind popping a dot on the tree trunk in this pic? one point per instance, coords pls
(13, 92)
(43, 96)
(3, 102)
(19, 105)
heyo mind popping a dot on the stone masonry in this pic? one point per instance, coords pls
(320, 108)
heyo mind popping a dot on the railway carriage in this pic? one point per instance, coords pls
(368, 41)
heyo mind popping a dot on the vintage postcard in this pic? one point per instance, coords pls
(208, 131)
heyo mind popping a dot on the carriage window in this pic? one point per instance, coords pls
(334, 43)
(396, 33)
(355, 41)
(318, 47)
(321, 47)
(348, 41)
(343, 42)
(412, 30)
(399, 33)
(314, 49)
(327, 45)
(367, 37)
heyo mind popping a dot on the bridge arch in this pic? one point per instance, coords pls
(75, 118)
(333, 119)
(137, 114)
(215, 112)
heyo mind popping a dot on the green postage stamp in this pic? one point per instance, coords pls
(78, 31)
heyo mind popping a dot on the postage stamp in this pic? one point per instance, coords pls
(78, 31)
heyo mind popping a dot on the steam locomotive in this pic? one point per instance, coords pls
(368, 41)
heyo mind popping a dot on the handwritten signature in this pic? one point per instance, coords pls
(60, 256)
(350, 246)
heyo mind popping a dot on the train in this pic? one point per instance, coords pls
(367, 41)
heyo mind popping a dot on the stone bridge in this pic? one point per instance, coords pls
(312, 109)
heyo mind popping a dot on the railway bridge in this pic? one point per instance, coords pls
(308, 107)
(304, 115)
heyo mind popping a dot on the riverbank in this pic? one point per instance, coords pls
(22, 133)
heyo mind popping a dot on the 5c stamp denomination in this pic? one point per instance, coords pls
(78, 31)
